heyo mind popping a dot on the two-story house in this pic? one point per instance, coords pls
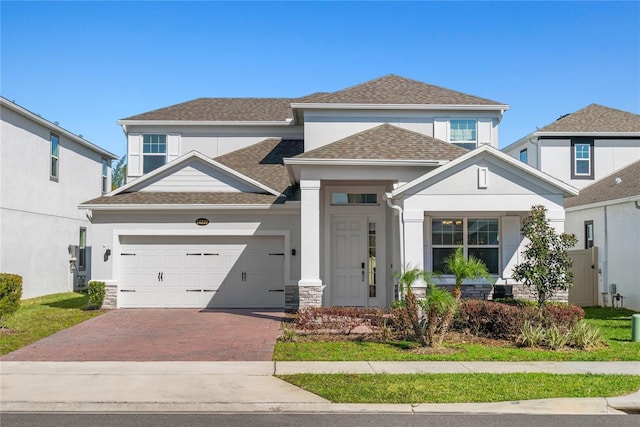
(45, 172)
(312, 201)
(593, 149)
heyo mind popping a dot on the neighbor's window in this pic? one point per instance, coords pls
(82, 251)
(55, 152)
(523, 155)
(353, 199)
(582, 159)
(588, 234)
(477, 236)
(154, 149)
(105, 180)
(463, 133)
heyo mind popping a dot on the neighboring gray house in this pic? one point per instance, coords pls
(606, 215)
(318, 200)
(589, 149)
(45, 171)
(582, 147)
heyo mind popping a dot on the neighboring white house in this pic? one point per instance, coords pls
(606, 214)
(312, 201)
(588, 149)
(582, 147)
(45, 171)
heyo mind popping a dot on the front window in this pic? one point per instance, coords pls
(154, 149)
(523, 155)
(477, 236)
(463, 133)
(105, 180)
(354, 199)
(582, 159)
(55, 153)
(82, 251)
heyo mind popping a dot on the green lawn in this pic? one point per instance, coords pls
(40, 317)
(615, 326)
(457, 388)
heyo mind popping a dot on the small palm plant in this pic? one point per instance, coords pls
(438, 302)
(462, 268)
(406, 280)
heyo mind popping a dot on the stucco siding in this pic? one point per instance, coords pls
(40, 218)
(618, 251)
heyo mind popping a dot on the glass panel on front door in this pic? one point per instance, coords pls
(372, 260)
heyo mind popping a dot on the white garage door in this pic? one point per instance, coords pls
(198, 272)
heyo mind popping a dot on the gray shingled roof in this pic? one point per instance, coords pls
(606, 188)
(596, 118)
(183, 198)
(263, 161)
(392, 89)
(387, 142)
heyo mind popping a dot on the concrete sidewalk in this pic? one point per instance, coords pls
(251, 387)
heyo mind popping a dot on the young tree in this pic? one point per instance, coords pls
(119, 173)
(462, 268)
(546, 258)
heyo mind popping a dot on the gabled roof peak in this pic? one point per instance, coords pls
(595, 118)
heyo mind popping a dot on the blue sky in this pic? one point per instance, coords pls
(88, 64)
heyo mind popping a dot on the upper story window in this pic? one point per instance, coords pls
(582, 159)
(105, 180)
(55, 153)
(523, 156)
(478, 237)
(154, 149)
(463, 133)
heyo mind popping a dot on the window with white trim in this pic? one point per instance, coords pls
(354, 199)
(55, 156)
(463, 133)
(582, 158)
(479, 237)
(105, 180)
(523, 155)
(154, 152)
(82, 249)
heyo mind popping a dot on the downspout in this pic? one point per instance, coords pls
(605, 266)
(387, 198)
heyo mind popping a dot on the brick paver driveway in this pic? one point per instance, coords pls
(161, 334)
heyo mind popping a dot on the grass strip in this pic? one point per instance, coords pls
(615, 326)
(40, 317)
(460, 388)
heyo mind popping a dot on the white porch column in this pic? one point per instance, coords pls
(413, 238)
(309, 290)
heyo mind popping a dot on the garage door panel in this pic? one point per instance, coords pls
(200, 271)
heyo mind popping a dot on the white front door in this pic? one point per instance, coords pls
(349, 261)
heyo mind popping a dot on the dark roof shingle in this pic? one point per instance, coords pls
(606, 188)
(596, 118)
(387, 142)
(392, 89)
(263, 161)
(183, 198)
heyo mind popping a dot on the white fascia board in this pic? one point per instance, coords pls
(604, 203)
(521, 141)
(56, 128)
(600, 134)
(566, 188)
(188, 156)
(339, 106)
(363, 162)
(169, 207)
(124, 123)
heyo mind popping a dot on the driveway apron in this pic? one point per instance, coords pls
(161, 335)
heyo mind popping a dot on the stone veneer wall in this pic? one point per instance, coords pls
(297, 297)
(520, 291)
(110, 297)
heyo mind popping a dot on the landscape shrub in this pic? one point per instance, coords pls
(338, 319)
(531, 335)
(506, 320)
(586, 336)
(96, 292)
(10, 294)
